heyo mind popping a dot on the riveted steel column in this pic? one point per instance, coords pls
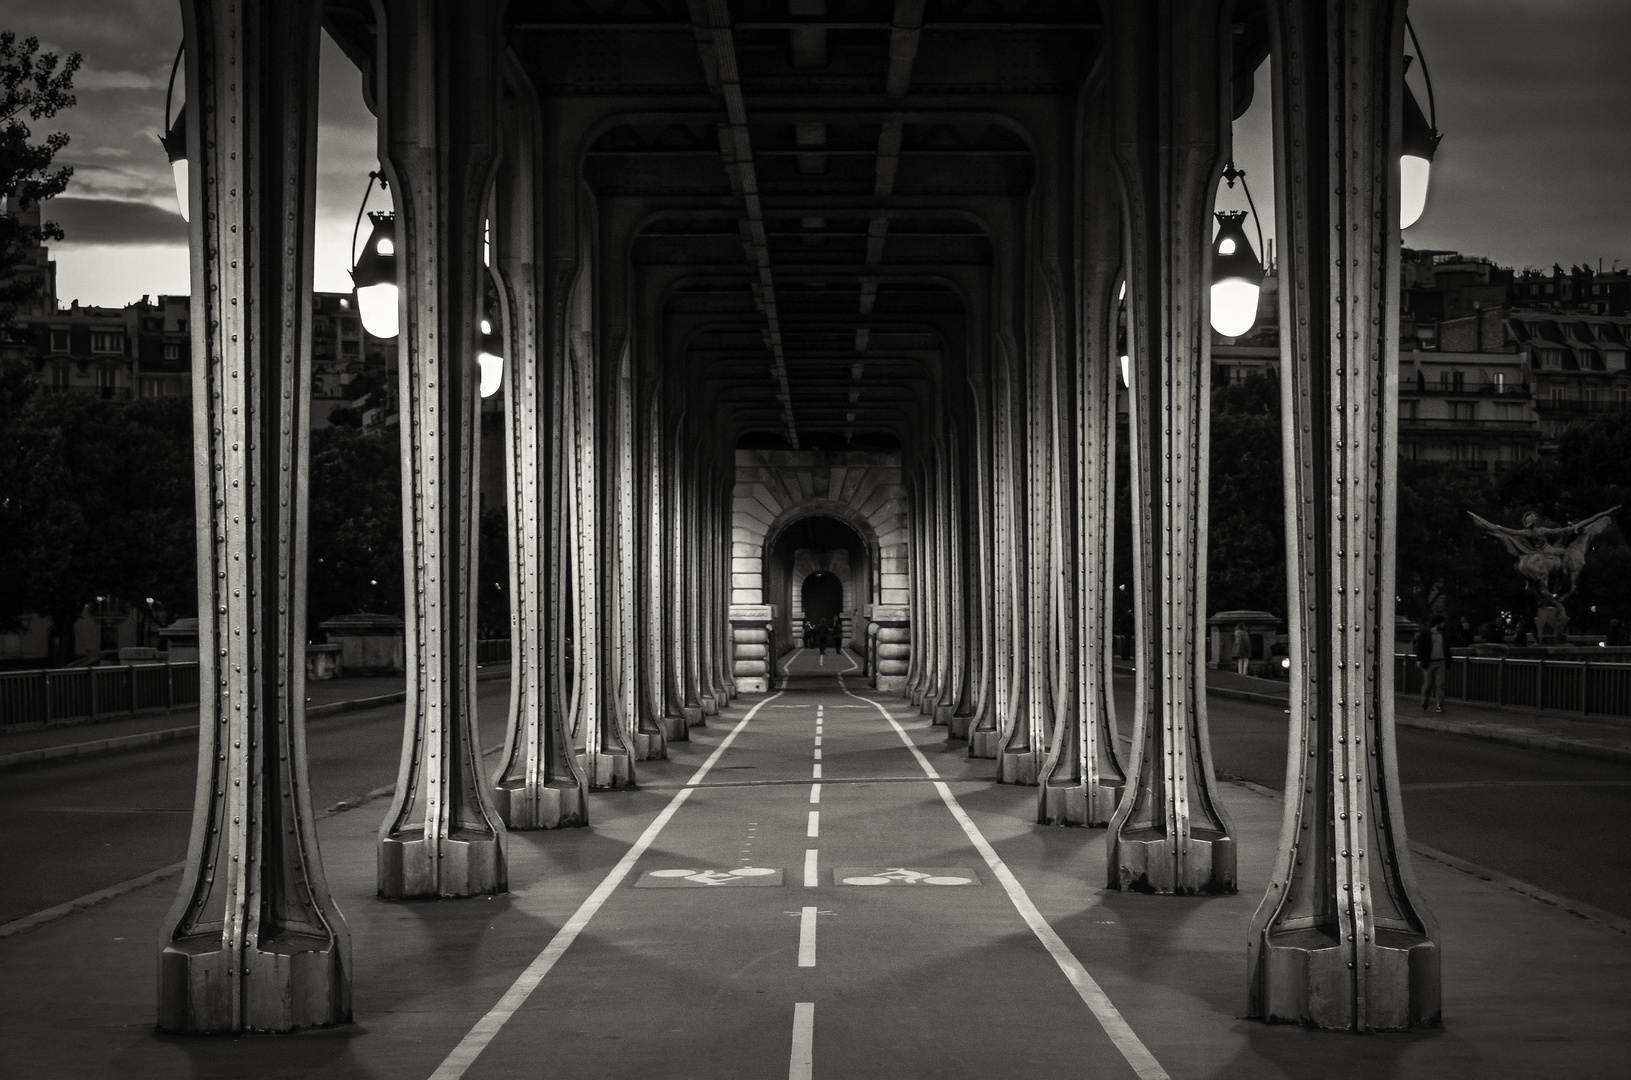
(253, 940)
(1341, 940)
(1169, 833)
(650, 732)
(1082, 780)
(441, 836)
(538, 785)
(984, 723)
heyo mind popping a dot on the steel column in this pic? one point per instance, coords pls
(1341, 940)
(253, 940)
(1171, 82)
(439, 142)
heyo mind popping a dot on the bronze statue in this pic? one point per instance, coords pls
(1547, 555)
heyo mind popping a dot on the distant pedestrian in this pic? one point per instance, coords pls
(1433, 657)
(1242, 652)
(821, 636)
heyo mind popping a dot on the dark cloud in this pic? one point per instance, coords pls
(116, 221)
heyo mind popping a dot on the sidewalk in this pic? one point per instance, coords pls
(1604, 738)
(65, 741)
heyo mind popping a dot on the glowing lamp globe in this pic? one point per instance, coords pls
(375, 278)
(1417, 145)
(1237, 277)
(491, 360)
(174, 142)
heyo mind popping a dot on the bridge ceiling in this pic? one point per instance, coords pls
(819, 183)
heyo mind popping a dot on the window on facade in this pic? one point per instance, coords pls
(350, 348)
(1557, 395)
(59, 376)
(59, 341)
(1407, 409)
(1500, 382)
(1456, 379)
(1621, 397)
(1463, 410)
(1444, 380)
(172, 352)
(107, 341)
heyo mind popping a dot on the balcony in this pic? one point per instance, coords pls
(1466, 427)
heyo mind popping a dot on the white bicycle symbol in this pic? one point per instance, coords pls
(906, 877)
(713, 877)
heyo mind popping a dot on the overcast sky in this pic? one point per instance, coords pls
(1534, 100)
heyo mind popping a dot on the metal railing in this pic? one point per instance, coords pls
(93, 692)
(1576, 686)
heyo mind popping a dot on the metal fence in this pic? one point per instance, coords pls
(94, 692)
(493, 650)
(1576, 686)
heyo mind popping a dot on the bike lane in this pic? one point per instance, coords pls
(734, 945)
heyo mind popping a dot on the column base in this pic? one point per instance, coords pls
(984, 744)
(1142, 860)
(649, 746)
(957, 724)
(942, 716)
(710, 705)
(756, 684)
(1078, 804)
(291, 983)
(676, 729)
(1020, 766)
(891, 683)
(916, 695)
(413, 866)
(692, 715)
(555, 805)
(1304, 977)
(607, 770)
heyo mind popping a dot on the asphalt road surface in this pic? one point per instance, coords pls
(77, 827)
(74, 828)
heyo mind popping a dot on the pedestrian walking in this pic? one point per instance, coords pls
(1433, 657)
(1242, 652)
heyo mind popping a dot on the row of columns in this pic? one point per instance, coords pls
(620, 494)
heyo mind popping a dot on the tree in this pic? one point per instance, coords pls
(1246, 542)
(355, 526)
(31, 85)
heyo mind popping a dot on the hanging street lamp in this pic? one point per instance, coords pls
(1417, 143)
(373, 273)
(174, 141)
(1237, 272)
(490, 356)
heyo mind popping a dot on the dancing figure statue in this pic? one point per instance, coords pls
(1551, 557)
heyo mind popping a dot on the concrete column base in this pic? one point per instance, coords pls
(1145, 860)
(1078, 804)
(758, 684)
(942, 716)
(1295, 971)
(917, 696)
(650, 746)
(554, 805)
(692, 715)
(710, 705)
(607, 770)
(983, 744)
(288, 983)
(891, 682)
(676, 729)
(1020, 766)
(413, 866)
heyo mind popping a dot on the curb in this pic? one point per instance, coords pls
(126, 744)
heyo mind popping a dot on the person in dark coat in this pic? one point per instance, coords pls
(1433, 657)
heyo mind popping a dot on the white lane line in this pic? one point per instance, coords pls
(815, 793)
(818, 739)
(815, 824)
(471, 1046)
(1097, 1001)
(811, 877)
(802, 1063)
(818, 753)
(815, 773)
(787, 668)
(807, 924)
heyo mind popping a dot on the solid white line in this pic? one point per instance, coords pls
(815, 773)
(815, 793)
(807, 923)
(787, 668)
(488, 1026)
(1097, 1001)
(802, 1063)
(815, 824)
(811, 877)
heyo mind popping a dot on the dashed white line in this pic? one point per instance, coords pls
(801, 1064)
(811, 877)
(815, 793)
(815, 824)
(815, 772)
(807, 931)
(818, 753)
